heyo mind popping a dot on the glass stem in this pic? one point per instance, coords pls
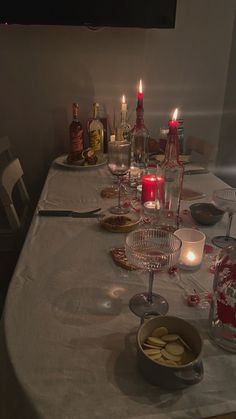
(119, 185)
(229, 225)
(151, 278)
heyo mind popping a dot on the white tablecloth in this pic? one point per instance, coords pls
(68, 337)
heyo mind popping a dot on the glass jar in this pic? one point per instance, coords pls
(222, 317)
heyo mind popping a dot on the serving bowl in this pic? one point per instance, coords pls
(170, 375)
(205, 213)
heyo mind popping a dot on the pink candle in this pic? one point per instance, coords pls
(149, 184)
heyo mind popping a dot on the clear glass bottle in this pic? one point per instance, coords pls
(163, 139)
(96, 132)
(172, 170)
(181, 134)
(222, 316)
(75, 133)
(124, 129)
(140, 137)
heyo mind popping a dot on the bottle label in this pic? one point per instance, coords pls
(226, 293)
(96, 139)
(76, 141)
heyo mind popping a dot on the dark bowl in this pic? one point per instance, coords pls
(205, 213)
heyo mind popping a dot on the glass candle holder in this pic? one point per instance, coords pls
(193, 242)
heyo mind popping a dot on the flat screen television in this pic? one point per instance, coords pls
(113, 13)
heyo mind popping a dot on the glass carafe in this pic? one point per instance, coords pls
(222, 318)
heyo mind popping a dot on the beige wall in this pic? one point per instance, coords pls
(44, 69)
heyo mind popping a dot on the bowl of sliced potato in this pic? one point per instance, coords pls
(169, 352)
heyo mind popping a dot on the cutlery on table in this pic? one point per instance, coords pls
(196, 171)
(69, 213)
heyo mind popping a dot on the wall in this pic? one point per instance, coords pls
(45, 68)
(226, 160)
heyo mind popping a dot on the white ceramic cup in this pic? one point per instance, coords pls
(192, 249)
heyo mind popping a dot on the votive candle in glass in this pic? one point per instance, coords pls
(193, 242)
(149, 186)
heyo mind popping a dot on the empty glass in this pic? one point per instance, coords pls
(225, 200)
(119, 155)
(151, 250)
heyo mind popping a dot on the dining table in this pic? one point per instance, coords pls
(68, 337)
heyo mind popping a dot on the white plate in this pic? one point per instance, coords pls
(61, 161)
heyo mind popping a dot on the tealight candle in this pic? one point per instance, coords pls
(192, 249)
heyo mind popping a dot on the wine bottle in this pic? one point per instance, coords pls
(172, 171)
(124, 129)
(76, 134)
(96, 132)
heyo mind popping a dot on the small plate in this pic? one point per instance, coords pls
(61, 161)
(120, 223)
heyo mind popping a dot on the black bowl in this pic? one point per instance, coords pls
(205, 213)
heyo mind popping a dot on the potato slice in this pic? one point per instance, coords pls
(159, 332)
(170, 337)
(167, 355)
(156, 341)
(174, 348)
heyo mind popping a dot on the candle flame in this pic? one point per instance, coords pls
(140, 89)
(191, 256)
(123, 99)
(175, 114)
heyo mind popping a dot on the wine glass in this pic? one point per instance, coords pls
(225, 200)
(119, 155)
(151, 249)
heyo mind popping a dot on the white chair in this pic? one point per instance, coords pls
(15, 204)
(202, 152)
(5, 150)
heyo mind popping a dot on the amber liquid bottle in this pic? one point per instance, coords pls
(76, 133)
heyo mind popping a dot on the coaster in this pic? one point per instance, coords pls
(119, 257)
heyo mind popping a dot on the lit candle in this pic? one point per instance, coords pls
(140, 92)
(149, 185)
(192, 249)
(123, 105)
(173, 123)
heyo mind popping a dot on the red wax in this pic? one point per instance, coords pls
(140, 96)
(173, 125)
(149, 183)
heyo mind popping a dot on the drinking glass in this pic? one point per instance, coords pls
(225, 200)
(119, 155)
(151, 250)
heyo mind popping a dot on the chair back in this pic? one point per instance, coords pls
(12, 178)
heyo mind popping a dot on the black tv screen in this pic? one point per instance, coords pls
(119, 13)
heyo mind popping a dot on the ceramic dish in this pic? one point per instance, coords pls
(119, 223)
(205, 213)
(61, 161)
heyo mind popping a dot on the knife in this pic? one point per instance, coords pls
(196, 171)
(68, 213)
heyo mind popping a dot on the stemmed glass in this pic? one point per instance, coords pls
(119, 155)
(225, 200)
(151, 250)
